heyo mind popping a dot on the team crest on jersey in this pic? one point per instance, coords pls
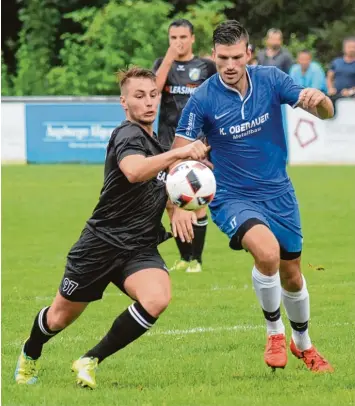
(194, 74)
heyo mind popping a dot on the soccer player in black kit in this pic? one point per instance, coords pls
(119, 242)
(179, 74)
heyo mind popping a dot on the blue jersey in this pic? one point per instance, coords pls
(248, 145)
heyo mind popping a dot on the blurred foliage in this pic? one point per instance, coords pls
(40, 19)
(74, 47)
(6, 88)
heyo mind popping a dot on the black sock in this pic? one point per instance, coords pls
(199, 238)
(128, 326)
(185, 249)
(40, 334)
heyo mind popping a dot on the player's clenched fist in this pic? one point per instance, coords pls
(197, 150)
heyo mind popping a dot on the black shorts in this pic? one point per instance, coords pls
(93, 263)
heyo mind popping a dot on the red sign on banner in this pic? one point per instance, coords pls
(305, 132)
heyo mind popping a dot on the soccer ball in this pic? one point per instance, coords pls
(191, 185)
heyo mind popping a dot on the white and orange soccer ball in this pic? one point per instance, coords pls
(191, 185)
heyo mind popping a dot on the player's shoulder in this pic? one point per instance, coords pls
(204, 89)
(264, 73)
(207, 61)
(157, 63)
(127, 129)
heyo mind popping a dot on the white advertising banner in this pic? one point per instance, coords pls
(13, 133)
(311, 140)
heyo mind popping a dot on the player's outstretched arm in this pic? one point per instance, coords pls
(138, 168)
(316, 102)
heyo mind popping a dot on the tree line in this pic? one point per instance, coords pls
(74, 47)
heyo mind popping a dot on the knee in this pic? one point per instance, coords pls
(268, 260)
(58, 320)
(155, 302)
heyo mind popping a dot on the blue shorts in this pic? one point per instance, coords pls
(280, 214)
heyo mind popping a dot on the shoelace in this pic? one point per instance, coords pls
(91, 365)
(275, 340)
(314, 358)
(30, 367)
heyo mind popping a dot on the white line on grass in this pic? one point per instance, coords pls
(195, 330)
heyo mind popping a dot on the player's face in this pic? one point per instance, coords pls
(231, 61)
(349, 49)
(181, 39)
(140, 100)
(274, 41)
(304, 59)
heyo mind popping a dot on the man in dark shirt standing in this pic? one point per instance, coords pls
(179, 74)
(119, 242)
(275, 54)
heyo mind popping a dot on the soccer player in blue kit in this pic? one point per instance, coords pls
(239, 111)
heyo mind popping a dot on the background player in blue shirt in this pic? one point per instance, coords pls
(239, 111)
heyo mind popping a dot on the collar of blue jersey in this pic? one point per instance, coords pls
(237, 91)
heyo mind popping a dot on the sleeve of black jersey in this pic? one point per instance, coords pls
(130, 141)
(157, 64)
(211, 68)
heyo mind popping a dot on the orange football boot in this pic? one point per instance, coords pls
(275, 354)
(313, 360)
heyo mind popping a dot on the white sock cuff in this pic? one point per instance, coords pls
(265, 279)
(301, 294)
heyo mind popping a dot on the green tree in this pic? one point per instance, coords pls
(205, 16)
(5, 79)
(36, 43)
(118, 35)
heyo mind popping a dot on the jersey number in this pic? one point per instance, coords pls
(69, 286)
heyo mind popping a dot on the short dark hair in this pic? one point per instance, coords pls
(229, 32)
(123, 76)
(182, 23)
(305, 51)
(274, 31)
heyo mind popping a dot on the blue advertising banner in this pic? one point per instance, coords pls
(70, 132)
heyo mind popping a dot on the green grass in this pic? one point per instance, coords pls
(43, 211)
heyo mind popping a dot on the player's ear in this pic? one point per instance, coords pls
(213, 53)
(193, 38)
(123, 102)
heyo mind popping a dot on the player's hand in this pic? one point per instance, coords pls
(197, 151)
(332, 91)
(181, 224)
(310, 98)
(173, 52)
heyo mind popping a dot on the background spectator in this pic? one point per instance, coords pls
(341, 75)
(308, 73)
(274, 53)
(253, 59)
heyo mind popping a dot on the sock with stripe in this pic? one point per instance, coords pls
(40, 334)
(199, 238)
(268, 292)
(128, 326)
(298, 311)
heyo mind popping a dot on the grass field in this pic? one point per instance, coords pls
(207, 349)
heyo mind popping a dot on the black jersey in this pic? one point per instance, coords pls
(128, 215)
(183, 79)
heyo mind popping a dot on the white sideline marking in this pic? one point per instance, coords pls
(195, 330)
